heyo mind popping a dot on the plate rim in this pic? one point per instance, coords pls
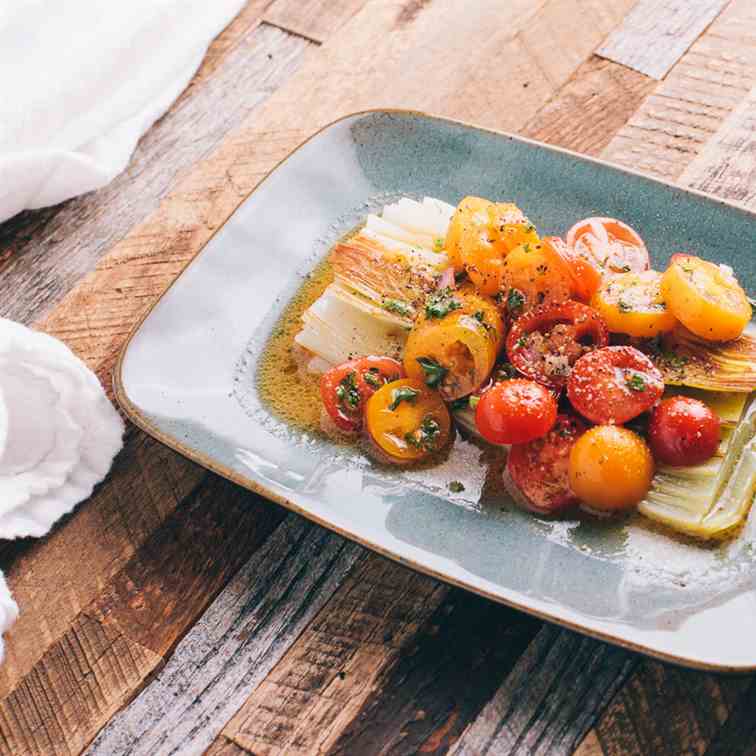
(139, 419)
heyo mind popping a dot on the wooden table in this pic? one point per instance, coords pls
(172, 612)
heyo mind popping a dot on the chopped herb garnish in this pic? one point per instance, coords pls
(347, 392)
(434, 372)
(460, 403)
(402, 394)
(623, 306)
(456, 487)
(461, 276)
(372, 378)
(397, 307)
(426, 436)
(504, 371)
(438, 244)
(635, 382)
(515, 301)
(474, 399)
(530, 229)
(480, 316)
(526, 247)
(521, 342)
(441, 303)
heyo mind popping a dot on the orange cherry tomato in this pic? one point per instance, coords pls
(611, 245)
(346, 387)
(583, 275)
(614, 384)
(610, 469)
(539, 468)
(515, 411)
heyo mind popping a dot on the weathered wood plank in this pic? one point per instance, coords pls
(234, 644)
(551, 698)
(656, 33)
(313, 19)
(688, 107)
(591, 107)
(738, 734)
(123, 634)
(591, 746)
(50, 250)
(727, 164)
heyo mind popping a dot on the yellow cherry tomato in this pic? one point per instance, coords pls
(471, 213)
(532, 277)
(407, 420)
(706, 298)
(610, 468)
(632, 303)
(453, 345)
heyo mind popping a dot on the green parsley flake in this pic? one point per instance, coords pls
(397, 307)
(434, 372)
(623, 306)
(402, 394)
(372, 378)
(635, 382)
(515, 301)
(441, 303)
(474, 401)
(426, 436)
(438, 244)
(347, 392)
(456, 486)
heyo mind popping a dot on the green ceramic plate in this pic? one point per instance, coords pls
(188, 378)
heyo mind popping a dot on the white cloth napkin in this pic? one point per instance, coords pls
(82, 80)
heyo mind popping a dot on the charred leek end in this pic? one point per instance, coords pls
(686, 360)
(712, 500)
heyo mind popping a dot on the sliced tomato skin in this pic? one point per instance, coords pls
(577, 323)
(683, 431)
(614, 246)
(540, 468)
(515, 411)
(614, 384)
(381, 370)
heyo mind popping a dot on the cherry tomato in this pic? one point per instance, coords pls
(610, 468)
(531, 277)
(683, 431)
(544, 344)
(514, 412)
(706, 298)
(614, 384)
(632, 303)
(539, 468)
(582, 274)
(407, 420)
(611, 245)
(346, 387)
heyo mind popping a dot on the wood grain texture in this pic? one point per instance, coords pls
(727, 164)
(314, 19)
(656, 33)
(234, 645)
(124, 633)
(591, 107)
(50, 250)
(551, 698)
(679, 117)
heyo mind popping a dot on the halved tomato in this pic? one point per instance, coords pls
(706, 298)
(613, 385)
(346, 387)
(582, 274)
(545, 343)
(407, 420)
(540, 468)
(531, 277)
(611, 245)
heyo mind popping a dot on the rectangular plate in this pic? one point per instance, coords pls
(187, 377)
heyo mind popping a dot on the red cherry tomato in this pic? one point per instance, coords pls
(546, 342)
(610, 244)
(613, 385)
(346, 388)
(584, 277)
(683, 431)
(516, 411)
(540, 468)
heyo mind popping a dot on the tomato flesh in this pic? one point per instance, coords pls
(683, 431)
(514, 412)
(612, 246)
(346, 388)
(582, 274)
(545, 343)
(540, 468)
(614, 384)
